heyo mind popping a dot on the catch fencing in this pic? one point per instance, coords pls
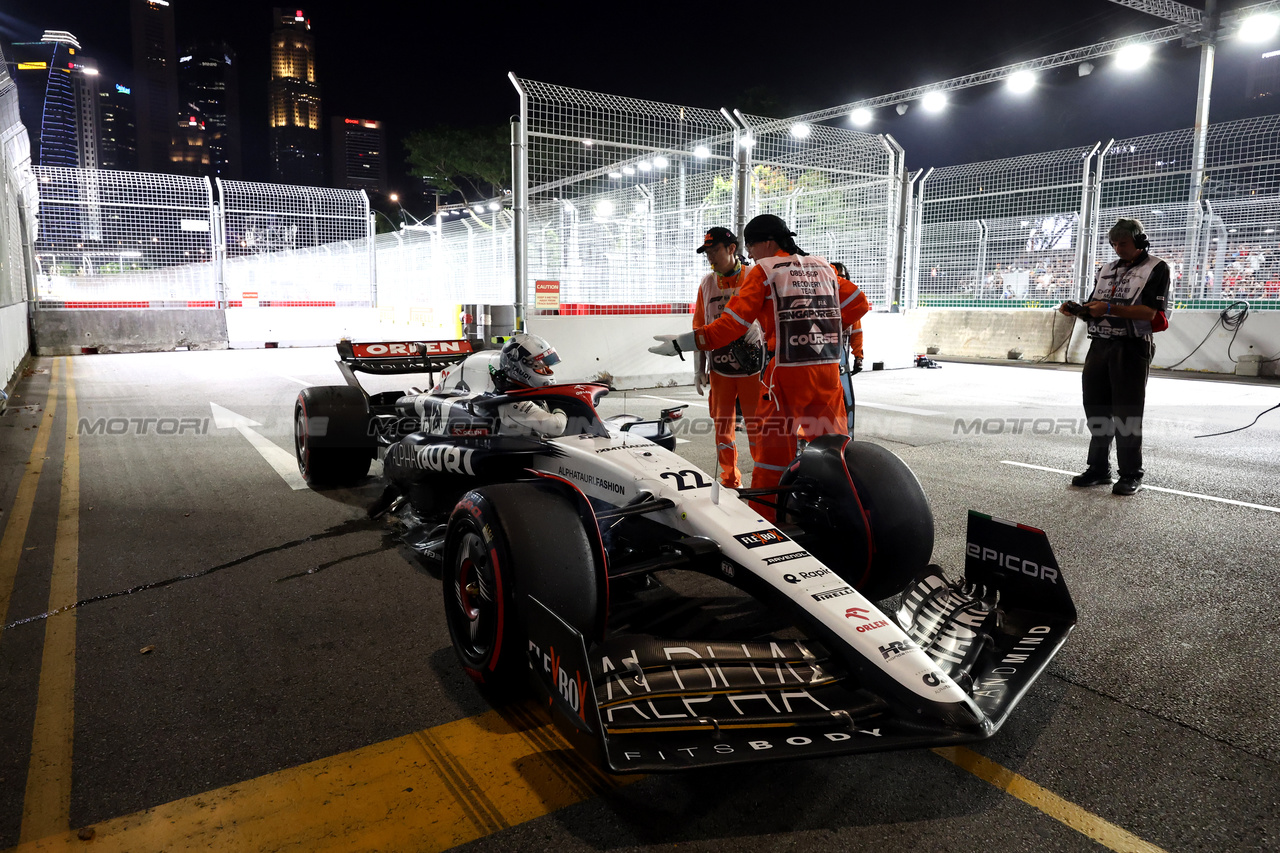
(1221, 246)
(110, 239)
(1008, 233)
(621, 191)
(1001, 232)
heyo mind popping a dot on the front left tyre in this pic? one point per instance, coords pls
(505, 543)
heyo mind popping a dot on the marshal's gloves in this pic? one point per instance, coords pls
(700, 378)
(673, 344)
(857, 365)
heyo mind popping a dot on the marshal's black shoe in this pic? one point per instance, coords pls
(1092, 478)
(1126, 486)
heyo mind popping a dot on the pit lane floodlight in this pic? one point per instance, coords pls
(661, 162)
(933, 102)
(1021, 82)
(800, 130)
(1259, 28)
(861, 117)
(702, 152)
(1132, 57)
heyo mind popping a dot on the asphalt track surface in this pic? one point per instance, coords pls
(254, 666)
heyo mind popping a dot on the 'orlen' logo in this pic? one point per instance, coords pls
(408, 348)
(1012, 563)
(857, 613)
(761, 538)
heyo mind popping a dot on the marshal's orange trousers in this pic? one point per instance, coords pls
(800, 402)
(724, 392)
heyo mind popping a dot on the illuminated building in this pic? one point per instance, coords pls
(297, 142)
(358, 153)
(117, 133)
(208, 132)
(57, 100)
(155, 78)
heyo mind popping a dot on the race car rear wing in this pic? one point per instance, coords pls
(390, 358)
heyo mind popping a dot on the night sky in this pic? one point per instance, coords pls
(415, 65)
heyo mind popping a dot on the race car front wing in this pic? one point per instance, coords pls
(645, 704)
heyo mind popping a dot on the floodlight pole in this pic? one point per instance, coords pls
(1200, 137)
(742, 185)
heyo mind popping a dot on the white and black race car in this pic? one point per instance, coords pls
(548, 550)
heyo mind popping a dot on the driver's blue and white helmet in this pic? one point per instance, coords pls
(527, 360)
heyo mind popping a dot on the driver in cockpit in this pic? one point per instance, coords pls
(526, 362)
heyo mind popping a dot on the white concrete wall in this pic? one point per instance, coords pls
(14, 340)
(991, 333)
(592, 345)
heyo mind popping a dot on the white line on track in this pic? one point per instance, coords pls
(294, 379)
(1263, 507)
(670, 400)
(859, 404)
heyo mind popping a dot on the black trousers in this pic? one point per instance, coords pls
(1115, 394)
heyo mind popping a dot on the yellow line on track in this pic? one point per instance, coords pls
(1086, 823)
(427, 791)
(15, 529)
(46, 808)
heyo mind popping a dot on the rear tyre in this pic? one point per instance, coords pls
(504, 543)
(331, 435)
(863, 512)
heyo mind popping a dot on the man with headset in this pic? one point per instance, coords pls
(1128, 296)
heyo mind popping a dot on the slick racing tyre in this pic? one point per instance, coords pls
(504, 543)
(331, 435)
(863, 512)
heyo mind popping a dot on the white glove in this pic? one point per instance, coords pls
(699, 372)
(673, 344)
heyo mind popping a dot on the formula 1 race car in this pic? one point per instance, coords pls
(669, 624)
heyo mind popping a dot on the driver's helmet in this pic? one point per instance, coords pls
(526, 361)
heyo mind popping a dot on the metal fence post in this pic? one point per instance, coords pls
(520, 199)
(1095, 213)
(1084, 223)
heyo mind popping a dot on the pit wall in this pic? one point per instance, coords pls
(992, 333)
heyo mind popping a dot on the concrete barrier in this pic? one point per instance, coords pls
(1046, 334)
(617, 346)
(70, 332)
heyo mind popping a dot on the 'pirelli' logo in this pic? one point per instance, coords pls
(833, 593)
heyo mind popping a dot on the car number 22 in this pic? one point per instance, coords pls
(687, 479)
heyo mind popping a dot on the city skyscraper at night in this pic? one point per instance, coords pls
(296, 137)
(359, 154)
(58, 100)
(208, 133)
(155, 82)
(117, 133)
